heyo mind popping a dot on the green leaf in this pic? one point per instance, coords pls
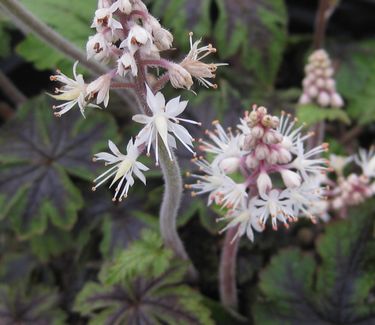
(39, 306)
(193, 15)
(37, 152)
(146, 257)
(256, 31)
(311, 114)
(79, 14)
(338, 290)
(356, 80)
(157, 300)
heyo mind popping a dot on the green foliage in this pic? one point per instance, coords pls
(56, 14)
(4, 40)
(255, 30)
(35, 307)
(146, 256)
(312, 114)
(356, 80)
(158, 300)
(337, 291)
(37, 153)
(193, 15)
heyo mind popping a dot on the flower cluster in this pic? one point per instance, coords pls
(319, 86)
(130, 41)
(352, 189)
(261, 172)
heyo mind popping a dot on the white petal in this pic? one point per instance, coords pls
(139, 174)
(114, 148)
(141, 118)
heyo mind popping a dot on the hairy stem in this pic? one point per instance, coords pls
(27, 22)
(227, 270)
(172, 185)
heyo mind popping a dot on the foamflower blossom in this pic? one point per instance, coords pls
(353, 188)
(245, 220)
(163, 123)
(130, 41)
(319, 86)
(124, 166)
(73, 92)
(196, 67)
(243, 169)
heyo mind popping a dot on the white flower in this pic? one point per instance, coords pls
(163, 121)
(124, 6)
(179, 77)
(246, 220)
(277, 205)
(308, 166)
(211, 182)
(224, 145)
(138, 38)
(163, 39)
(308, 199)
(99, 48)
(198, 69)
(73, 91)
(104, 19)
(99, 88)
(124, 168)
(126, 63)
(291, 136)
(366, 160)
(232, 194)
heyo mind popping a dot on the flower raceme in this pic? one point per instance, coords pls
(351, 189)
(268, 154)
(130, 41)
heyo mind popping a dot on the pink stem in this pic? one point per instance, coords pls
(157, 63)
(161, 82)
(227, 271)
(122, 85)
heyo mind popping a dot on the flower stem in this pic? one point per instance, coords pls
(27, 23)
(172, 185)
(170, 205)
(227, 270)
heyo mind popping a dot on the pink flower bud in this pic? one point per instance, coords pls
(261, 151)
(284, 156)
(229, 165)
(312, 91)
(251, 162)
(324, 99)
(257, 132)
(304, 99)
(264, 183)
(290, 178)
(330, 84)
(320, 83)
(336, 100)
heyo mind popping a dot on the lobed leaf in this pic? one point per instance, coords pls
(37, 152)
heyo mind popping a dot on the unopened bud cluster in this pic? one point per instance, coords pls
(264, 150)
(352, 189)
(130, 41)
(319, 86)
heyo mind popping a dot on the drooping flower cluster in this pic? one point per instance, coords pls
(261, 173)
(351, 189)
(130, 40)
(319, 86)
